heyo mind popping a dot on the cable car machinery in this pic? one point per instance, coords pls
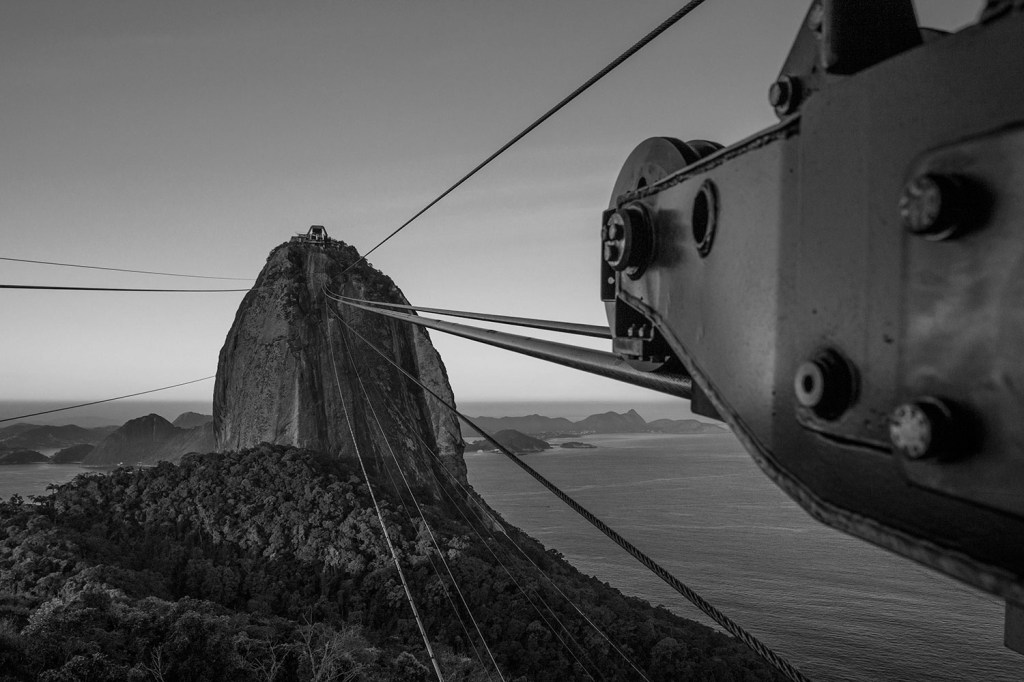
(845, 288)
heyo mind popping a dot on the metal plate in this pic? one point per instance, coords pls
(964, 334)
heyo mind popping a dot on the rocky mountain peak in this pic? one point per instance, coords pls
(290, 369)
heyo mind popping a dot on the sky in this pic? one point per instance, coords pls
(194, 136)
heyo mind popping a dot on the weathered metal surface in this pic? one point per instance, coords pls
(811, 253)
(964, 322)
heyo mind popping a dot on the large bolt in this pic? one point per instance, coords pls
(922, 428)
(929, 206)
(826, 384)
(784, 95)
(628, 240)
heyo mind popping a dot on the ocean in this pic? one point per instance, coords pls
(837, 607)
(32, 479)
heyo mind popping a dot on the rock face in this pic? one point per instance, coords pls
(290, 370)
(150, 439)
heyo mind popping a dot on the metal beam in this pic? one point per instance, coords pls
(584, 359)
(593, 330)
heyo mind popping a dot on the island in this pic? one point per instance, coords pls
(22, 457)
(577, 445)
(516, 441)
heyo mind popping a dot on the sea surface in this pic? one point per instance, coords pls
(32, 479)
(837, 607)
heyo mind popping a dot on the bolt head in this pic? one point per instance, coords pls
(629, 240)
(826, 384)
(784, 95)
(927, 206)
(921, 428)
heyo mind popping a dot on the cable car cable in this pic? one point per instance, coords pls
(733, 628)
(170, 291)
(636, 47)
(419, 509)
(98, 267)
(596, 331)
(107, 400)
(380, 517)
(598, 362)
(515, 544)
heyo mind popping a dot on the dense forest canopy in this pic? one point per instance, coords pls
(270, 564)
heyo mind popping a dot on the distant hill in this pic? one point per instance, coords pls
(533, 423)
(151, 439)
(516, 441)
(190, 420)
(684, 426)
(608, 422)
(22, 457)
(36, 437)
(613, 422)
(73, 454)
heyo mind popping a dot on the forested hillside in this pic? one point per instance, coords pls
(270, 564)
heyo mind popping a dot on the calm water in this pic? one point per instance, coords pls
(32, 479)
(839, 608)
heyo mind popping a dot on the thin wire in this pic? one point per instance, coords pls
(636, 47)
(551, 628)
(515, 544)
(380, 517)
(98, 267)
(419, 509)
(731, 626)
(173, 291)
(107, 400)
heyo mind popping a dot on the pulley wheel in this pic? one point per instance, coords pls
(653, 159)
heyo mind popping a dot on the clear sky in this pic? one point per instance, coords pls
(195, 135)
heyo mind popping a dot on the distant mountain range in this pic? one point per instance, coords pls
(608, 422)
(144, 440)
(22, 436)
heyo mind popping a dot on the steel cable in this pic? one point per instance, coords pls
(733, 628)
(98, 267)
(636, 47)
(170, 291)
(515, 544)
(419, 509)
(107, 400)
(380, 517)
